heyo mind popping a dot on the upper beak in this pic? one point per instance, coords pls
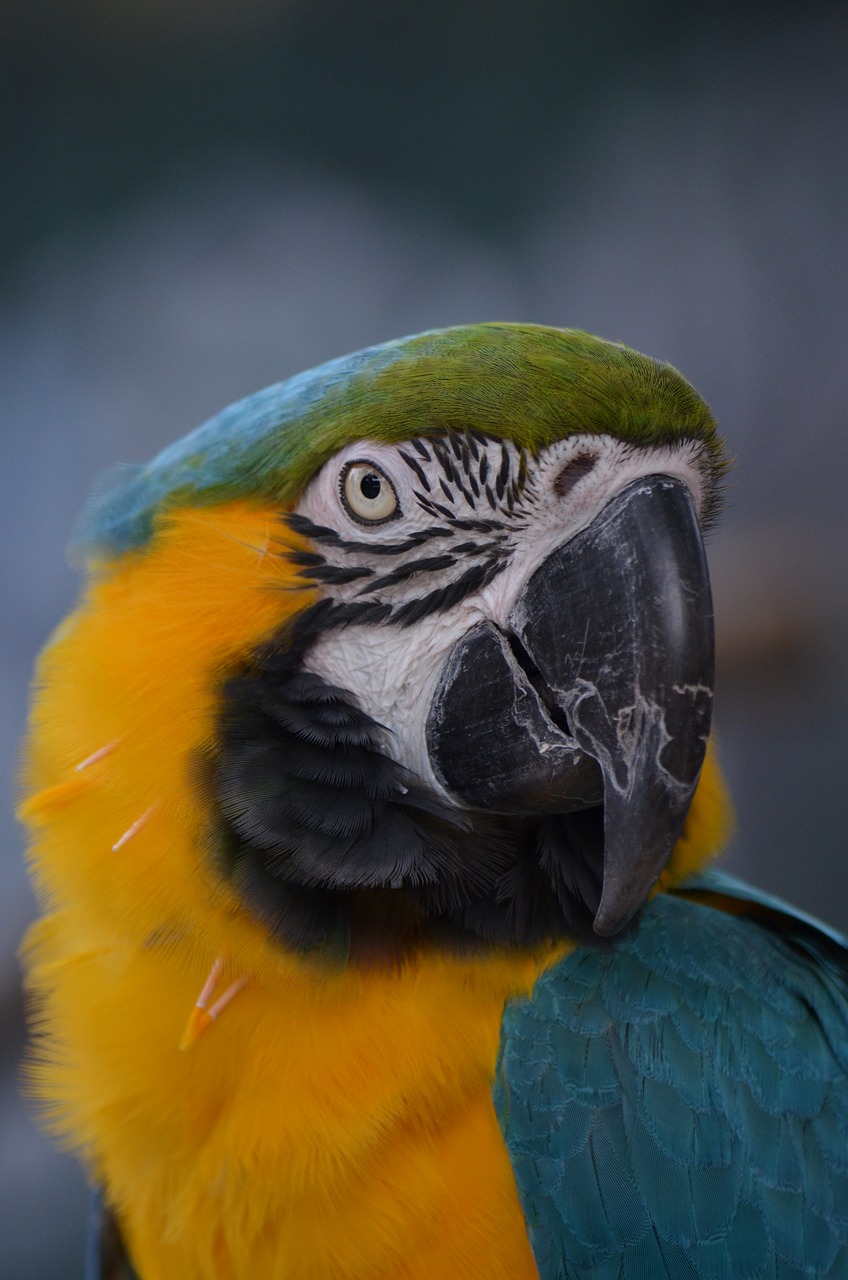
(599, 691)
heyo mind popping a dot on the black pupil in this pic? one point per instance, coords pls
(369, 486)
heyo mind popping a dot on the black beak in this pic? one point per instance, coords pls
(600, 691)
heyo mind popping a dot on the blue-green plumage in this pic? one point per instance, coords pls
(676, 1104)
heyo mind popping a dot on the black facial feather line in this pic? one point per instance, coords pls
(329, 537)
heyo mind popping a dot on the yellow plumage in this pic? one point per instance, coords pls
(331, 1121)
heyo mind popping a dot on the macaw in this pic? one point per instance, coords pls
(371, 803)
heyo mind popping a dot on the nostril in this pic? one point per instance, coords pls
(575, 469)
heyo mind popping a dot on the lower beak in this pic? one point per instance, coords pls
(599, 691)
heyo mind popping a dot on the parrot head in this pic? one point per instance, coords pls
(482, 716)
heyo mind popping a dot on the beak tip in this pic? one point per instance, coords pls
(623, 896)
(608, 923)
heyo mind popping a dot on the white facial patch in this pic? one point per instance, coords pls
(474, 519)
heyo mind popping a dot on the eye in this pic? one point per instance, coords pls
(367, 493)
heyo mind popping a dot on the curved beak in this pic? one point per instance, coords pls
(599, 691)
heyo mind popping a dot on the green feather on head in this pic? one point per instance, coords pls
(526, 383)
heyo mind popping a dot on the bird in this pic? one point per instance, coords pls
(372, 803)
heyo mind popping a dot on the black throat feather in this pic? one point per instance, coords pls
(340, 850)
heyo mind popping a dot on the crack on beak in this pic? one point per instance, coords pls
(553, 710)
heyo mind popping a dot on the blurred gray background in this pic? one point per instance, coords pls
(204, 198)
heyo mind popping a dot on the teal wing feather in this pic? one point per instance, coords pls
(675, 1104)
